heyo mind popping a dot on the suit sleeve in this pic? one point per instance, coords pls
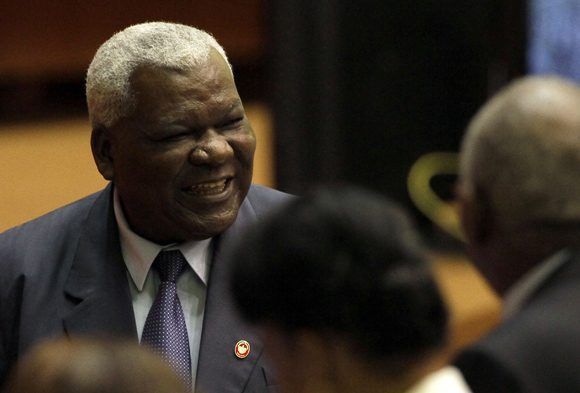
(485, 374)
(10, 296)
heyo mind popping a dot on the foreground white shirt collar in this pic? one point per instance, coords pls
(526, 286)
(139, 253)
(448, 380)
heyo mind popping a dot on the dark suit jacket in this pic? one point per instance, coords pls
(63, 274)
(538, 349)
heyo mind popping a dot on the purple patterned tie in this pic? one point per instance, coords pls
(165, 331)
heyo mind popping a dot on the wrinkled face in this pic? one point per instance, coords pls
(182, 162)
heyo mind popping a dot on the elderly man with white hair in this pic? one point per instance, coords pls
(145, 258)
(520, 206)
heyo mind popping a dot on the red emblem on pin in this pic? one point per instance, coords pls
(242, 349)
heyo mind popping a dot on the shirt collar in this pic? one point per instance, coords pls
(526, 286)
(448, 379)
(139, 253)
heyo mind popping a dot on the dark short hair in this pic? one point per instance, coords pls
(344, 261)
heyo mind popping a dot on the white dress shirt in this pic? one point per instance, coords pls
(446, 380)
(139, 254)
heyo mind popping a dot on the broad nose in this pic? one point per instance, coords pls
(212, 149)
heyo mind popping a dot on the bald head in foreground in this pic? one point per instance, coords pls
(143, 258)
(520, 206)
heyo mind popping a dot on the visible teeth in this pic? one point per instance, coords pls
(210, 188)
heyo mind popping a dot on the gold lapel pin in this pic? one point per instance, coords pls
(242, 349)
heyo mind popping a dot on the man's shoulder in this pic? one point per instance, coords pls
(547, 317)
(531, 347)
(547, 322)
(48, 227)
(499, 362)
(264, 199)
(486, 371)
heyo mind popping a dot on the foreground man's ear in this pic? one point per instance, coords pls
(101, 148)
(476, 215)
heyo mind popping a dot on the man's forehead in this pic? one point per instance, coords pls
(202, 82)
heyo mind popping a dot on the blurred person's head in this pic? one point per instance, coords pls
(340, 290)
(92, 366)
(519, 185)
(170, 131)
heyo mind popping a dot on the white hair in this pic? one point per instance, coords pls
(157, 44)
(523, 151)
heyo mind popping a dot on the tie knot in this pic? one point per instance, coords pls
(169, 265)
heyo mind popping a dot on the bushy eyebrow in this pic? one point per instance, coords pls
(176, 116)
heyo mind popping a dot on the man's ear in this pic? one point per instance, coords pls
(101, 148)
(476, 215)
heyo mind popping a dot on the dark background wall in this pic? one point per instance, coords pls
(364, 88)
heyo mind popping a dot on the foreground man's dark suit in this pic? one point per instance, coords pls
(538, 349)
(63, 273)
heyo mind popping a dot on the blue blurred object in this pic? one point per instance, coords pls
(554, 38)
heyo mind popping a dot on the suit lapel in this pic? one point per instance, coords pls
(97, 292)
(219, 370)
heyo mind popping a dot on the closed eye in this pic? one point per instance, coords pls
(232, 123)
(174, 137)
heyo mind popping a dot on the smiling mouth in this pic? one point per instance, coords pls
(209, 188)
